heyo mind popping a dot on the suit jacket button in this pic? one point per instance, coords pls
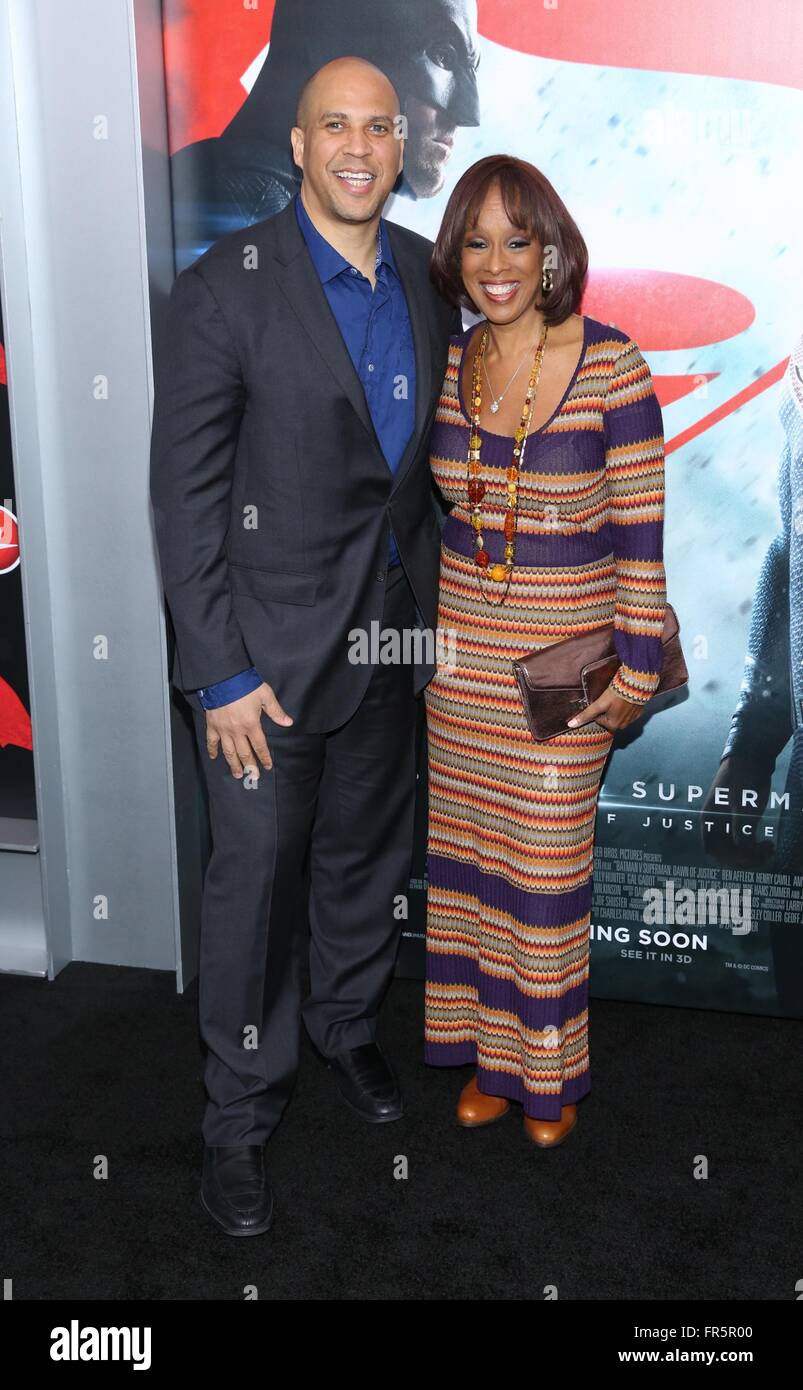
(380, 576)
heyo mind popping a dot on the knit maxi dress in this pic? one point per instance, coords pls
(511, 829)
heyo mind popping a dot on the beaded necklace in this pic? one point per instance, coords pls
(476, 487)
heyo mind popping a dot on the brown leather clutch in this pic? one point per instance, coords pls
(559, 680)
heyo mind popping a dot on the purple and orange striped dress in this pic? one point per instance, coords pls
(511, 830)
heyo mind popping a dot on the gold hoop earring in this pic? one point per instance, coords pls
(546, 280)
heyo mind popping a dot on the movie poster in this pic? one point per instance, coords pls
(673, 136)
(17, 792)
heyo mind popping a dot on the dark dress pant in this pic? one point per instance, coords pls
(326, 832)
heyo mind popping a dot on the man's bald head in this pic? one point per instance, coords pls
(347, 140)
(314, 93)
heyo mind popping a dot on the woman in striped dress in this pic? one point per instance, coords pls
(548, 444)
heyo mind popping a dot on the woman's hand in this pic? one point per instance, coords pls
(612, 711)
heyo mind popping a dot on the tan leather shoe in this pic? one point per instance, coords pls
(547, 1133)
(475, 1108)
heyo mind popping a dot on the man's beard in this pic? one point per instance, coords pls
(425, 168)
(430, 137)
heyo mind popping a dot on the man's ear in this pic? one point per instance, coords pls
(297, 142)
(400, 134)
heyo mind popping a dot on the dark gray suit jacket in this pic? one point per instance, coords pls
(271, 496)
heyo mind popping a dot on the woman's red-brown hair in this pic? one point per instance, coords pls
(534, 207)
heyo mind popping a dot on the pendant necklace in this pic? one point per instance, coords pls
(497, 400)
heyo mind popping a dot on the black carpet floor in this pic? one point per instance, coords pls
(682, 1179)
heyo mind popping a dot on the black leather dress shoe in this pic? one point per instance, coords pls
(366, 1081)
(235, 1188)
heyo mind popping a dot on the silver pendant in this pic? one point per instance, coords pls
(494, 407)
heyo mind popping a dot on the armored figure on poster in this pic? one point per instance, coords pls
(428, 48)
(769, 709)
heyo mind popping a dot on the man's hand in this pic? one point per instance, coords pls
(237, 729)
(612, 711)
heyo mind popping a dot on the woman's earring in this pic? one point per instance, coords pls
(546, 280)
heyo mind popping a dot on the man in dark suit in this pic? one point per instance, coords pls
(303, 360)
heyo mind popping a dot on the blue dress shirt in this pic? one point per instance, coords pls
(375, 324)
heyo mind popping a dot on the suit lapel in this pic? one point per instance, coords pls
(299, 283)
